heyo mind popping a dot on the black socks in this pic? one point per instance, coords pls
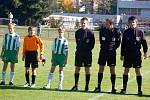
(33, 79)
(113, 80)
(27, 78)
(125, 80)
(76, 76)
(139, 82)
(100, 77)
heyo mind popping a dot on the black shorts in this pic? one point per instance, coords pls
(31, 58)
(132, 60)
(83, 59)
(107, 56)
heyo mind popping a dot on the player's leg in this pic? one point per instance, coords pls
(5, 59)
(13, 60)
(12, 67)
(100, 77)
(87, 64)
(27, 72)
(125, 80)
(33, 77)
(4, 73)
(62, 64)
(112, 63)
(50, 77)
(137, 66)
(102, 63)
(139, 80)
(34, 65)
(27, 77)
(78, 64)
(113, 78)
(87, 78)
(51, 72)
(127, 64)
(76, 78)
(61, 77)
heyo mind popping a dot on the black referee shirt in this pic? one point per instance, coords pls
(132, 41)
(109, 39)
(85, 40)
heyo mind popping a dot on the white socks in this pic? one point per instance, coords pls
(12, 77)
(50, 76)
(61, 77)
(3, 76)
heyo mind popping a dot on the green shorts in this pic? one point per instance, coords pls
(58, 59)
(10, 56)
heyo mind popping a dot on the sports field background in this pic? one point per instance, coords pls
(18, 92)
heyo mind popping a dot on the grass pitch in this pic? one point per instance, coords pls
(18, 92)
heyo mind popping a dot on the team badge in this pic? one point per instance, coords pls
(113, 39)
(103, 38)
(87, 40)
(138, 38)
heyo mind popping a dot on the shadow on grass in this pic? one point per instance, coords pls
(20, 87)
(144, 95)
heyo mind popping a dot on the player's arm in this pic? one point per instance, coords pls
(3, 47)
(118, 39)
(18, 45)
(122, 47)
(52, 56)
(66, 50)
(144, 45)
(66, 57)
(53, 49)
(41, 45)
(92, 40)
(2, 52)
(24, 49)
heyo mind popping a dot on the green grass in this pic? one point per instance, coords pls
(18, 92)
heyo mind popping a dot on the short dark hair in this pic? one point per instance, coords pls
(132, 18)
(30, 28)
(84, 18)
(110, 21)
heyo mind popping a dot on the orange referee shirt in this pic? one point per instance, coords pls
(31, 43)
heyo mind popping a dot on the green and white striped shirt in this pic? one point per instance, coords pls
(11, 41)
(60, 46)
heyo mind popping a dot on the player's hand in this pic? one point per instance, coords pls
(121, 58)
(145, 55)
(41, 56)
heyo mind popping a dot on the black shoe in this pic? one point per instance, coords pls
(74, 88)
(11, 83)
(86, 89)
(113, 91)
(123, 91)
(2, 83)
(140, 93)
(97, 89)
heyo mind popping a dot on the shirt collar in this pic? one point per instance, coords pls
(13, 34)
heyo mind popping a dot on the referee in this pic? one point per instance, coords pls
(132, 40)
(85, 42)
(110, 41)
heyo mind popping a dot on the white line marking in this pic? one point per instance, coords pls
(102, 94)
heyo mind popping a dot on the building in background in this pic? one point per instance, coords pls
(133, 7)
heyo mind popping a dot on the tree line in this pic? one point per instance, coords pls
(29, 11)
